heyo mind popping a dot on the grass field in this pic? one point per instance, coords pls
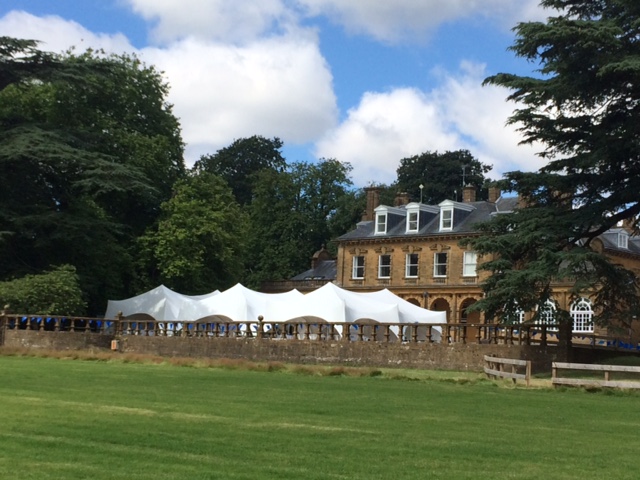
(76, 419)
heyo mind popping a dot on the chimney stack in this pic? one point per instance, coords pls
(494, 194)
(373, 201)
(469, 194)
(401, 199)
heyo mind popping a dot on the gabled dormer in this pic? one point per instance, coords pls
(452, 214)
(418, 215)
(386, 218)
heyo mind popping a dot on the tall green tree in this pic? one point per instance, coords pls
(442, 175)
(293, 214)
(583, 107)
(240, 162)
(199, 243)
(86, 159)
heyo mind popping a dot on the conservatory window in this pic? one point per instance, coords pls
(582, 316)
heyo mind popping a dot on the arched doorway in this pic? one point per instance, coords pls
(441, 305)
(413, 301)
(468, 318)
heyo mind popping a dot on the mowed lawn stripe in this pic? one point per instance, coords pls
(80, 419)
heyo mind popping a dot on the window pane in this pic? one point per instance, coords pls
(440, 265)
(358, 267)
(446, 220)
(384, 266)
(470, 262)
(411, 265)
(412, 222)
(381, 223)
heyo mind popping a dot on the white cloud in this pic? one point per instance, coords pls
(226, 20)
(459, 114)
(402, 20)
(278, 87)
(281, 86)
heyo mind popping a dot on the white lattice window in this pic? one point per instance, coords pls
(547, 316)
(582, 316)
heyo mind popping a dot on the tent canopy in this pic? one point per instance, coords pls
(330, 303)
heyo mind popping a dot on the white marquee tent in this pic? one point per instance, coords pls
(161, 303)
(329, 304)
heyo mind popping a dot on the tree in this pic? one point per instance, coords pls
(198, 245)
(87, 155)
(443, 175)
(240, 162)
(293, 214)
(584, 108)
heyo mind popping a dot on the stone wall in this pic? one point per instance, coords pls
(370, 354)
(56, 340)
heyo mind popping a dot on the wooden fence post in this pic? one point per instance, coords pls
(3, 323)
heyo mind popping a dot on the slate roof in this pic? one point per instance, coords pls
(463, 221)
(325, 270)
(610, 241)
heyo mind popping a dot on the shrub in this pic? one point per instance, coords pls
(56, 292)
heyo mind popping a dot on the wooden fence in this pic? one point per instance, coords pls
(606, 370)
(495, 367)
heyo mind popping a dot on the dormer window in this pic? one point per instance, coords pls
(623, 240)
(381, 223)
(446, 218)
(413, 220)
(451, 212)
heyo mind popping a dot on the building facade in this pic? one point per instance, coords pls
(414, 250)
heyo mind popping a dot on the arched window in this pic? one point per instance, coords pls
(582, 316)
(516, 317)
(548, 315)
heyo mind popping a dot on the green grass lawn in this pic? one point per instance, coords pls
(75, 419)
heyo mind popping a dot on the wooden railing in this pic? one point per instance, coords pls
(607, 381)
(495, 367)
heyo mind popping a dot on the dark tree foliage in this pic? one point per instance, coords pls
(240, 162)
(293, 214)
(21, 61)
(86, 159)
(583, 107)
(443, 175)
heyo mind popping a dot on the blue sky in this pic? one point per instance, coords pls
(364, 81)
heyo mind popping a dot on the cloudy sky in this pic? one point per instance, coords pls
(364, 81)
